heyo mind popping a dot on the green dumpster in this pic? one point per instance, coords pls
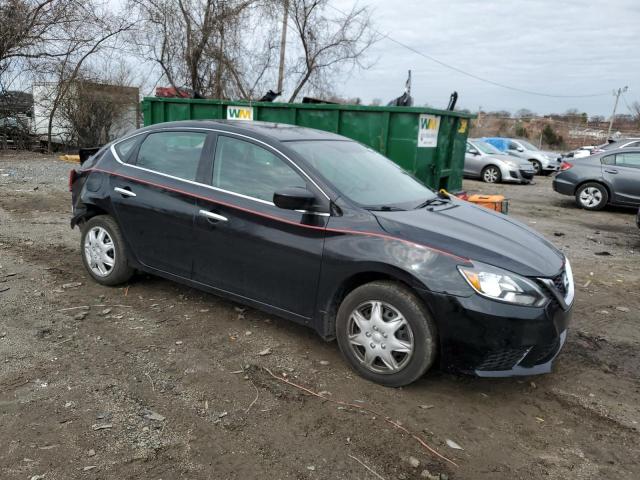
(426, 142)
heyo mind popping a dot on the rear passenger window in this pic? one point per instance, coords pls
(628, 159)
(172, 153)
(245, 168)
(608, 160)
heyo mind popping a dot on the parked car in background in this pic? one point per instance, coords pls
(580, 152)
(629, 142)
(319, 229)
(483, 160)
(543, 162)
(601, 179)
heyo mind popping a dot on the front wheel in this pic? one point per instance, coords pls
(103, 251)
(537, 167)
(386, 334)
(491, 174)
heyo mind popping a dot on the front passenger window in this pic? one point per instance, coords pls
(245, 168)
(172, 153)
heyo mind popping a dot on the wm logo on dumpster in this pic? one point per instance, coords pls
(239, 113)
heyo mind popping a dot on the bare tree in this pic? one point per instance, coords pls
(99, 105)
(32, 30)
(90, 31)
(328, 43)
(202, 45)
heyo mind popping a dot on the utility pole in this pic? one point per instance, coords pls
(616, 94)
(283, 44)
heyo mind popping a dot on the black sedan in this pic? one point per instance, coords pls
(611, 177)
(326, 232)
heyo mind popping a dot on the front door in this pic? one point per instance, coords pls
(244, 243)
(622, 172)
(151, 200)
(472, 161)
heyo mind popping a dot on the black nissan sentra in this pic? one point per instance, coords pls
(321, 230)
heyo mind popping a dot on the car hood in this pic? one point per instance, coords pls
(476, 233)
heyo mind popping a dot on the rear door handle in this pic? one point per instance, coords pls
(611, 170)
(213, 216)
(125, 192)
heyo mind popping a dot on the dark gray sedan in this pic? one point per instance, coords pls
(605, 178)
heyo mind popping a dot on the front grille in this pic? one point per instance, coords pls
(541, 353)
(504, 359)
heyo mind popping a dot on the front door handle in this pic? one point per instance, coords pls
(611, 170)
(124, 192)
(213, 216)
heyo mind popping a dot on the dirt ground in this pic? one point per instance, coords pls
(159, 381)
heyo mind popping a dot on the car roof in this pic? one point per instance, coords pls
(275, 131)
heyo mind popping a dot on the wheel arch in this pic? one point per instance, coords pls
(86, 212)
(372, 273)
(598, 181)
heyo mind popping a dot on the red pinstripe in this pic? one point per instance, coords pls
(276, 218)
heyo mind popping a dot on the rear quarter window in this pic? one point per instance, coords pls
(124, 149)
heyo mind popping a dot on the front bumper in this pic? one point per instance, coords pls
(516, 174)
(486, 338)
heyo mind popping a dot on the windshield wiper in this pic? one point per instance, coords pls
(438, 198)
(385, 208)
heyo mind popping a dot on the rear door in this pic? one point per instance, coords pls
(246, 245)
(622, 172)
(152, 198)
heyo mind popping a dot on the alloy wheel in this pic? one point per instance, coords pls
(590, 197)
(491, 175)
(380, 337)
(99, 251)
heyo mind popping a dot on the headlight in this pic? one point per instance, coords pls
(503, 286)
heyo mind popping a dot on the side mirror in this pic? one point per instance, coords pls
(520, 149)
(474, 152)
(294, 198)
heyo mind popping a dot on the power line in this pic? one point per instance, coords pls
(469, 74)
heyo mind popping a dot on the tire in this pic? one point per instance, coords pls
(415, 340)
(491, 174)
(592, 196)
(537, 166)
(101, 240)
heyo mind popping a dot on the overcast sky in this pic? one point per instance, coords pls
(558, 47)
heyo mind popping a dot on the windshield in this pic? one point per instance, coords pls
(362, 175)
(487, 148)
(528, 146)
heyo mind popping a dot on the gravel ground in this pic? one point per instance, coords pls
(156, 380)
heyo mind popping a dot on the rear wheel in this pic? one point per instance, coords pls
(103, 251)
(592, 196)
(491, 174)
(386, 333)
